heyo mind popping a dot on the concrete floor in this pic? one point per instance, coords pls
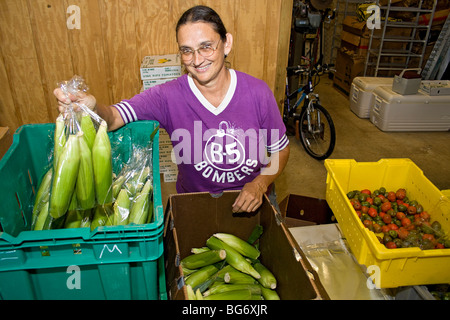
(359, 139)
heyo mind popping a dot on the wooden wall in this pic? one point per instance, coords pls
(39, 48)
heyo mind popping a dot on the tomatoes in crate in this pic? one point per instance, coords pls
(398, 221)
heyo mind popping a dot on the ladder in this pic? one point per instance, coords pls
(375, 55)
(438, 53)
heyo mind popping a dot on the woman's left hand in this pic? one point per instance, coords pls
(250, 197)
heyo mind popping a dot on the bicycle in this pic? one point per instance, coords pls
(315, 126)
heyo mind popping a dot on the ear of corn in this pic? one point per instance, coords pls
(267, 279)
(254, 288)
(73, 216)
(199, 250)
(86, 218)
(141, 204)
(241, 246)
(42, 195)
(198, 294)
(85, 188)
(102, 217)
(117, 185)
(59, 139)
(237, 277)
(269, 294)
(41, 218)
(233, 258)
(102, 162)
(203, 274)
(136, 183)
(190, 293)
(64, 178)
(195, 261)
(122, 208)
(245, 294)
(87, 126)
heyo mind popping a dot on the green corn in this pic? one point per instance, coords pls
(136, 183)
(65, 177)
(245, 294)
(233, 258)
(59, 139)
(267, 279)
(198, 294)
(122, 208)
(269, 294)
(85, 188)
(101, 217)
(141, 204)
(42, 195)
(201, 275)
(221, 288)
(237, 277)
(199, 250)
(241, 246)
(73, 216)
(42, 218)
(187, 271)
(87, 126)
(190, 293)
(86, 219)
(102, 161)
(195, 261)
(117, 185)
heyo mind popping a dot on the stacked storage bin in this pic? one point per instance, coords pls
(109, 262)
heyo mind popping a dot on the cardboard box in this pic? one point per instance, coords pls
(192, 218)
(299, 211)
(5, 140)
(347, 68)
(161, 67)
(351, 24)
(354, 44)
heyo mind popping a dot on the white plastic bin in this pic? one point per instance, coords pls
(361, 99)
(416, 112)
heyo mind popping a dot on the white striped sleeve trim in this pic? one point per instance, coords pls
(126, 112)
(279, 145)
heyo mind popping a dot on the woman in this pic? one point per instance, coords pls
(222, 122)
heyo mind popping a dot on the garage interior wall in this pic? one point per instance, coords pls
(104, 41)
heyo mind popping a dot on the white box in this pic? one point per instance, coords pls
(435, 87)
(407, 82)
(161, 67)
(417, 112)
(361, 99)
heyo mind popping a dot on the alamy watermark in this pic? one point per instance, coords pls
(74, 20)
(374, 20)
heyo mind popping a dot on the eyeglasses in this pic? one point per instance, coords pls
(205, 51)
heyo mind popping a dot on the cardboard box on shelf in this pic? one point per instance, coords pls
(192, 218)
(354, 44)
(161, 67)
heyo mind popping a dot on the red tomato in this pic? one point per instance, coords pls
(391, 245)
(393, 226)
(372, 212)
(406, 222)
(386, 206)
(385, 229)
(400, 215)
(402, 233)
(387, 219)
(391, 196)
(366, 191)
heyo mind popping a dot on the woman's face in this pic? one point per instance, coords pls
(192, 36)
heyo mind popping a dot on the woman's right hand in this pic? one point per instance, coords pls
(81, 98)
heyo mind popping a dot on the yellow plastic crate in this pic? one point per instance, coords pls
(389, 268)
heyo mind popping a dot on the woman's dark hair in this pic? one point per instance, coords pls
(203, 14)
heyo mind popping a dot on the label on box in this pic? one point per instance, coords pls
(170, 177)
(161, 67)
(154, 82)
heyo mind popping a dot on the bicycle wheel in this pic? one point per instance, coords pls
(317, 134)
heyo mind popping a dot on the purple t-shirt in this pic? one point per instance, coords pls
(219, 148)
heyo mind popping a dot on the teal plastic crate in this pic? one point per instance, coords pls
(107, 263)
